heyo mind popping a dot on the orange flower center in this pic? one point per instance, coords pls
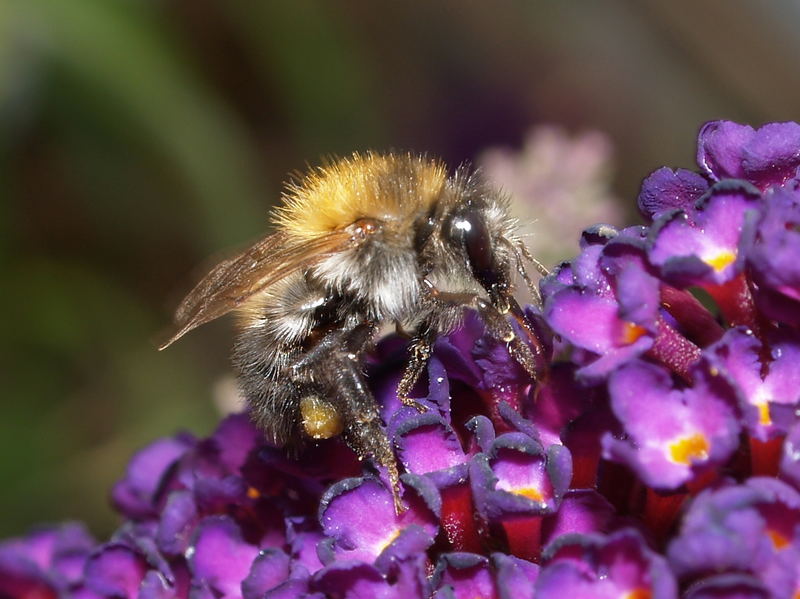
(631, 332)
(778, 540)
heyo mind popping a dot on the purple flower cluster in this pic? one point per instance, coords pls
(658, 455)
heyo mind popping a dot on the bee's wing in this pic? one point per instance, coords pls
(236, 279)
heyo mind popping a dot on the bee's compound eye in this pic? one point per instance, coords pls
(477, 241)
(321, 419)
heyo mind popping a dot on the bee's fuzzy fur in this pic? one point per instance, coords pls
(303, 335)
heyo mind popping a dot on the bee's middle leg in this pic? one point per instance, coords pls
(419, 352)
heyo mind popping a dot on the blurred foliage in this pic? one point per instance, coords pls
(140, 136)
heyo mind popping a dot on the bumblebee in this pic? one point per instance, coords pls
(369, 240)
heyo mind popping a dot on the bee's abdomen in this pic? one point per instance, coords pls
(278, 330)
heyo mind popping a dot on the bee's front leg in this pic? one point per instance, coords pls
(496, 322)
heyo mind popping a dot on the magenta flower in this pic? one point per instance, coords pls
(607, 305)
(467, 575)
(405, 578)
(596, 566)
(739, 355)
(702, 246)
(358, 517)
(765, 157)
(728, 586)
(46, 562)
(657, 455)
(666, 190)
(670, 435)
(750, 528)
(772, 256)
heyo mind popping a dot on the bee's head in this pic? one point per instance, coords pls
(479, 231)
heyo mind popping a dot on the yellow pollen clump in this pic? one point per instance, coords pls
(689, 449)
(638, 593)
(721, 260)
(631, 332)
(253, 493)
(321, 419)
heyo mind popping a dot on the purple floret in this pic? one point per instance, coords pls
(582, 511)
(48, 561)
(219, 557)
(358, 516)
(407, 578)
(766, 374)
(773, 257)
(766, 157)
(115, 570)
(137, 495)
(519, 477)
(428, 445)
(790, 457)
(671, 433)
(610, 309)
(596, 566)
(666, 190)
(728, 586)
(750, 528)
(704, 246)
(470, 576)
(463, 576)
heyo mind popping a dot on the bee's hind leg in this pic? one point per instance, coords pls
(333, 367)
(363, 431)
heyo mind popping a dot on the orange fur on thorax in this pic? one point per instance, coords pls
(383, 187)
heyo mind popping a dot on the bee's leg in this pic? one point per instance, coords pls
(420, 352)
(521, 253)
(335, 343)
(498, 326)
(533, 338)
(543, 270)
(333, 367)
(363, 432)
(496, 323)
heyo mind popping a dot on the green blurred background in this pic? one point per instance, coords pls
(140, 137)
